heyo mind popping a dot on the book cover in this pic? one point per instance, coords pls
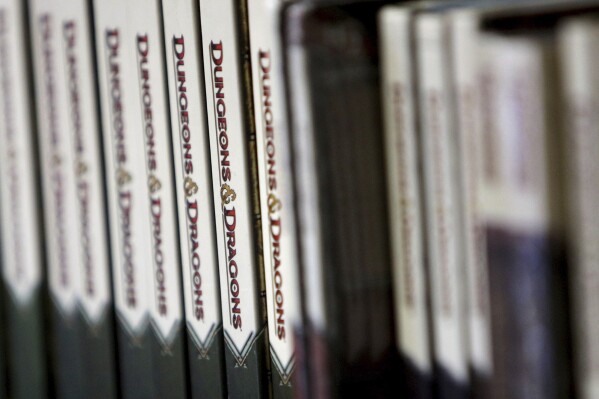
(281, 262)
(128, 196)
(403, 163)
(23, 276)
(236, 203)
(332, 79)
(195, 201)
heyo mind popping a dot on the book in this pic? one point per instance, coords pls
(441, 200)
(195, 201)
(23, 276)
(236, 201)
(332, 78)
(577, 42)
(465, 81)
(281, 261)
(146, 39)
(84, 333)
(128, 196)
(521, 212)
(403, 162)
(59, 195)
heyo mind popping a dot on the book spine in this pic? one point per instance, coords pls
(522, 252)
(95, 298)
(197, 233)
(281, 262)
(22, 266)
(343, 244)
(145, 37)
(464, 65)
(578, 46)
(403, 166)
(314, 364)
(232, 144)
(439, 145)
(128, 199)
(59, 195)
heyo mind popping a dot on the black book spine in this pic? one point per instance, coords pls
(344, 252)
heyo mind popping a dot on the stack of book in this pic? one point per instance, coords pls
(299, 199)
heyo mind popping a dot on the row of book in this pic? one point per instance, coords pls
(490, 117)
(311, 199)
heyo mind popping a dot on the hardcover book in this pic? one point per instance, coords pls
(236, 201)
(578, 40)
(332, 73)
(22, 241)
(195, 201)
(128, 196)
(521, 201)
(69, 76)
(59, 194)
(442, 213)
(281, 262)
(145, 37)
(467, 113)
(403, 163)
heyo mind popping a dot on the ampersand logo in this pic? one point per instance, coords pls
(81, 168)
(122, 177)
(227, 194)
(154, 184)
(274, 204)
(190, 187)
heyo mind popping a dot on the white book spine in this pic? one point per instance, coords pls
(231, 174)
(514, 189)
(128, 202)
(307, 191)
(404, 185)
(21, 247)
(153, 130)
(57, 153)
(464, 52)
(578, 47)
(440, 180)
(193, 174)
(76, 62)
(281, 262)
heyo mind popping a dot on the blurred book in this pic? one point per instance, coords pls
(332, 72)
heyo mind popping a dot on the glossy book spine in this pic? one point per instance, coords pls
(236, 202)
(195, 204)
(281, 262)
(128, 204)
